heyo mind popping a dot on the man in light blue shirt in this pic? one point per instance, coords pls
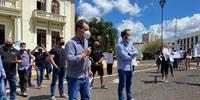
(2, 85)
(77, 55)
(23, 69)
(125, 54)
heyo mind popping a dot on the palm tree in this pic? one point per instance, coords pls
(103, 32)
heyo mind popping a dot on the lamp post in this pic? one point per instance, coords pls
(162, 3)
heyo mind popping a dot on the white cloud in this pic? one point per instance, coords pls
(136, 28)
(184, 25)
(124, 6)
(103, 7)
(88, 11)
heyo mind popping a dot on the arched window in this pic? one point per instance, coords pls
(41, 5)
(55, 7)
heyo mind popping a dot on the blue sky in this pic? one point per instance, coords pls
(144, 15)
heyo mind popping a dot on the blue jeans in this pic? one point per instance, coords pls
(125, 76)
(48, 69)
(76, 85)
(2, 89)
(40, 74)
(12, 82)
(57, 75)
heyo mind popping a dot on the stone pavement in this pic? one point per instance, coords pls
(185, 85)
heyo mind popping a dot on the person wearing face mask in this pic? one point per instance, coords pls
(78, 64)
(10, 58)
(57, 59)
(126, 52)
(109, 56)
(40, 57)
(23, 69)
(96, 58)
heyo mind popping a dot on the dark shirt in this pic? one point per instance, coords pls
(96, 54)
(40, 59)
(8, 58)
(59, 56)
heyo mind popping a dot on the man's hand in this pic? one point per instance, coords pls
(90, 74)
(86, 52)
(4, 75)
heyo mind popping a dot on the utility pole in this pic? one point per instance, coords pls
(175, 31)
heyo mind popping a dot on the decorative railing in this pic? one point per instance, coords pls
(16, 4)
(49, 16)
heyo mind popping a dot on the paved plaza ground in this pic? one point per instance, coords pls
(185, 85)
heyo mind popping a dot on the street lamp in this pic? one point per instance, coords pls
(162, 3)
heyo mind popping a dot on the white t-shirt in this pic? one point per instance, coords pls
(176, 54)
(109, 57)
(166, 53)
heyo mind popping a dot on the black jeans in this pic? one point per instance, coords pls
(29, 76)
(23, 79)
(109, 69)
(165, 67)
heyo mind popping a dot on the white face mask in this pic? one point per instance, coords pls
(87, 34)
(129, 38)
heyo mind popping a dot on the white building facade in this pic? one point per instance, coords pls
(189, 40)
(149, 37)
(36, 21)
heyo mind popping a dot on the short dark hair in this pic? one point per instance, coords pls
(58, 39)
(79, 23)
(22, 43)
(124, 32)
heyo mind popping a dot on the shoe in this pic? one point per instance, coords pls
(47, 77)
(91, 87)
(63, 96)
(165, 81)
(24, 94)
(31, 85)
(162, 80)
(39, 87)
(103, 87)
(53, 98)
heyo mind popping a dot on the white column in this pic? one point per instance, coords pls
(17, 26)
(48, 6)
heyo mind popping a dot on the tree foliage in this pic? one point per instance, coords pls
(103, 32)
(150, 48)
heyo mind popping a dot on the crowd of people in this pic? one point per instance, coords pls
(76, 62)
(171, 57)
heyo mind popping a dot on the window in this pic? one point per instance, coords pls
(54, 36)
(178, 41)
(41, 5)
(2, 34)
(55, 7)
(196, 39)
(181, 42)
(192, 39)
(41, 37)
(188, 40)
